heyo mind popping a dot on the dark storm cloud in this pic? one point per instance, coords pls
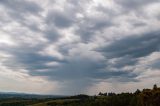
(90, 27)
(126, 51)
(123, 61)
(33, 60)
(69, 69)
(139, 24)
(134, 4)
(21, 7)
(73, 69)
(59, 19)
(78, 69)
(51, 34)
(29, 59)
(133, 46)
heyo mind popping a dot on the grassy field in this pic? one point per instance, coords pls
(59, 101)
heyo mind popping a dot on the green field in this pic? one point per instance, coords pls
(56, 102)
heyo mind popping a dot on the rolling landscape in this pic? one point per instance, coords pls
(146, 97)
(79, 52)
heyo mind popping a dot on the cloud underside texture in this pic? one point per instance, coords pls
(81, 43)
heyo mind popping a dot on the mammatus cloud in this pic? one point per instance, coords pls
(80, 46)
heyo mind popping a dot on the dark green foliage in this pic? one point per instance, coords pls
(150, 97)
(155, 87)
(137, 92)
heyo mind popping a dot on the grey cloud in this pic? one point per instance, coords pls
(22, 7)
(122, 61)
(26, 57)
(69, 69)
(51, 34)
(20, 10)
(155, 64)
(78, 69)
(139, 24)
(59, 19)
(133, 46)
(109, 73)
(127, 51)
(73, 69)
(112, 12)
(90, 26)
(134, 4)
(33, 60)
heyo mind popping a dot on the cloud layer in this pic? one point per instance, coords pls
(79, 46)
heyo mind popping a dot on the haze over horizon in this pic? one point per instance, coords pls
(79, 46)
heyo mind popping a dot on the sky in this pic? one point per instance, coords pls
(69, 47)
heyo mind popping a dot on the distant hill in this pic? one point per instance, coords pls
(26, 96)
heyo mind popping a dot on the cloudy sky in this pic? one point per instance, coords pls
(79, 46)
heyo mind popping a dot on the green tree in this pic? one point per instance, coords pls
(155, 87)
